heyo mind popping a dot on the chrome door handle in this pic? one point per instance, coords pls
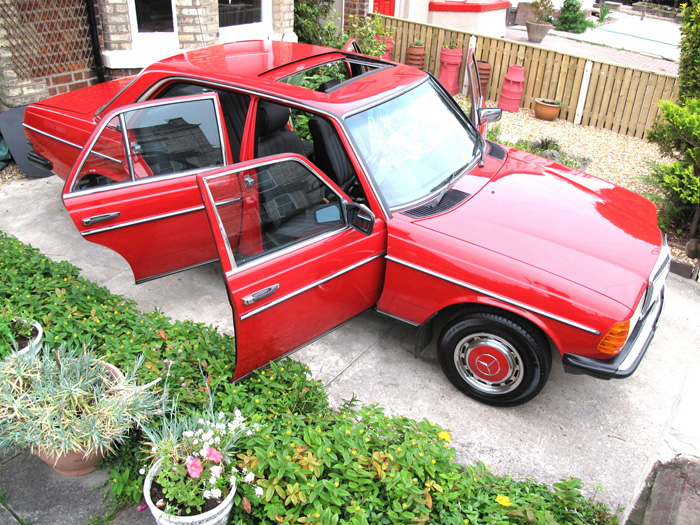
(100, 218)
(260, 294)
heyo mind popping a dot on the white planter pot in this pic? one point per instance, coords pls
(216, 516)
(35, 343)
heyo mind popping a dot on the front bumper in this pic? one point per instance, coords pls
(626, 362)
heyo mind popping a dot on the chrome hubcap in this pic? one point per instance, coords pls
(488, 363)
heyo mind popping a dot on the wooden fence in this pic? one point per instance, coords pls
(593, 93)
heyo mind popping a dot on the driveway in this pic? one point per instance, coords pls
(606, 432)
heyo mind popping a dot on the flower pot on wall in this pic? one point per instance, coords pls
(546, 109)
(415, 56)
(537, 32)
(450, 60)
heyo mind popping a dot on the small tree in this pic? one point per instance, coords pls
(542, 12)
(572, 18)
(311, 20)
(689, 67)
(678, 136)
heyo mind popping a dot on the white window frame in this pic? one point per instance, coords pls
(256, 31)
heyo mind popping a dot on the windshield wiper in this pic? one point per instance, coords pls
(446, 183)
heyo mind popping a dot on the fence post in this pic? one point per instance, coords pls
(583, 93)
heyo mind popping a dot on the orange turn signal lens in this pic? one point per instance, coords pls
(615, 339)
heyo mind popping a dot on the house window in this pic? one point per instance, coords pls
(239, 12)
(154, 16)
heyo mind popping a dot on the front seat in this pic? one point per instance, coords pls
(330, 156)
(274, 136)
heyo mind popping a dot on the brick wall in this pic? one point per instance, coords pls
(116, 28)
(355, 8)
(283, 18)
(197, 23)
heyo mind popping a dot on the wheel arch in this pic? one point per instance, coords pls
(442, 317)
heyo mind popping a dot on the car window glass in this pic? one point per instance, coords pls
(285, 129)
(162, 140)
(234, 107)
(291, 204)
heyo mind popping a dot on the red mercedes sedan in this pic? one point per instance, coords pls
(328, 182)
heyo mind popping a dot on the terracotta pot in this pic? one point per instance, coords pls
(415, 56)
(512, 89)
(537, 32)
(484, 76)
(450, 60)
(546, 109)
(74, 463)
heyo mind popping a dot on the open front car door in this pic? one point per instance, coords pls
(297, 258)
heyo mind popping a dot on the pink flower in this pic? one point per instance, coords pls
(214, 455)
(142, 507)
(194, 467)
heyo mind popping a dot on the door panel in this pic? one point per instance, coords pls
(314, 271)
(134, 188)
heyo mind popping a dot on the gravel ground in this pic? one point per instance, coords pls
(617, 158)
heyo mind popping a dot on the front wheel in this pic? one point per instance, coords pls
(494, 359)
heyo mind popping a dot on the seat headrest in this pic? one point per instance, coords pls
(271, 117)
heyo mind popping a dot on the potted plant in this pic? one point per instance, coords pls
(450, 60)
(17, 331)
(193, 475)
(68, 407)
(546, 109)
(415, 54)
(541, 19)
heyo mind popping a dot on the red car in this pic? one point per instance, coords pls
(328, 183)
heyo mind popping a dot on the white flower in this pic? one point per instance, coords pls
(216, 493)
(248, 432)
(222, 415)
(216, 470)
(249, 478)
(258, 491)
(188, 434)
(142, 471)
(207, 494)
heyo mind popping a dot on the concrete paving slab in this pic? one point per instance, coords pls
(602, 432)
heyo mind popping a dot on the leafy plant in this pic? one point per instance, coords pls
(604, 11)
(15, 328)
(65, 399)
(416, 42)
(370, 33)
(311, 21)
(689, 66)
(542, 12)
(572, 18)
(678, 136)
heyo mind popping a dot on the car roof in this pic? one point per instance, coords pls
(259, 65)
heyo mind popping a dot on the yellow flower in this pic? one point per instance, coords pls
(504, 500)
(445, 436)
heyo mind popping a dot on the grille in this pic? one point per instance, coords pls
(450, 200)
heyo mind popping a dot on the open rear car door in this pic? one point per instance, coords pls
(297, 258)
(133, 188)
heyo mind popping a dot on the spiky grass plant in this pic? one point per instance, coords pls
(64, 399)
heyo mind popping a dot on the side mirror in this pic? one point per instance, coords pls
(359, 217)
(489, 115)
(328, 214)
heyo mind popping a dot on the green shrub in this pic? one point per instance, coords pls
(689, 66)
(311, 22)
(74, 310)
(678, 136)
(365, 31)
(571, 18)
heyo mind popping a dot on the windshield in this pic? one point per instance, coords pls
(414, 144)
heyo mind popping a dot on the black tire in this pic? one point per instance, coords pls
(494, 359)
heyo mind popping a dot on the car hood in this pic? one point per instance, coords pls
(560, 221)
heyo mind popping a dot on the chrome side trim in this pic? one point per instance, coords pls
(141, 221)
(172, 272)
(228, 201)
(51, 136)
(498, 297)
(387, 314)
(312, 285)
